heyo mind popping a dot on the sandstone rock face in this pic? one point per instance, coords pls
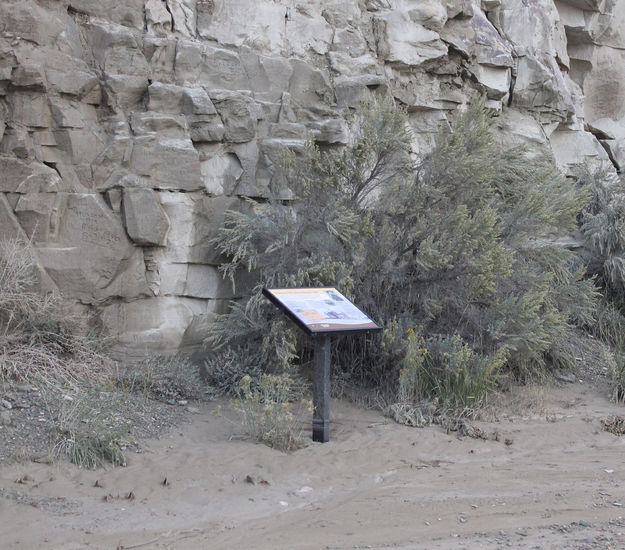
(127, 129)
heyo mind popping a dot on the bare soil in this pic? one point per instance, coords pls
(545, 474)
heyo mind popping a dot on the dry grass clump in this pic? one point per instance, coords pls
(42, 342)
(90, 429)
(45, 344)
(270, 410)
(614, 424)
(164, 378)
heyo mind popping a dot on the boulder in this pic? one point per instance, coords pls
(429, 13)
(266, 179)
(124, 93)
(166, 162)
(575, 150)
(607, 128)
(263, 23)
(194, 281)
(11, 228)
(221, 172)
(183, 14)
(538, 37)
(158, 20)
(611, 135)
(310, 92)
(518, 128)
(144, 218)
(350, 91)
(29, 76)
(349, 41)
(117, 50)
(89, 249)
(195, 219)
(533, 28)
(165, 98)
(29, 109)
(494, 80)
(81, 145)
(330, 131)
(585, 27)
(112, 163)
(130, 283)
(268, 76)
(405, 42)
(268, 27)
(205, 128)
(31, 21)
(604, 85)
(540, 87)
(23, 176)
(160, 53)
(156, 124)
(209, 66)
(239, 114)
(476, 38)
(195, 101)
(71, 76)
(113, 198)
(307, 30)
(345, 65)
(38, 215)
(154, 325)
(129, 13)
(72, 114)
(615, 148)
(204, 124)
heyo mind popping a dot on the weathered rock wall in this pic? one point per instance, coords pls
(128, 128)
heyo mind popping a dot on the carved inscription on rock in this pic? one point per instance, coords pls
(91, 227)
(88, 223)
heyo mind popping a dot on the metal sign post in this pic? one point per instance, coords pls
(321, 390)
(321, 312)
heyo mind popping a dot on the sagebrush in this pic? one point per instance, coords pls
(461, 242)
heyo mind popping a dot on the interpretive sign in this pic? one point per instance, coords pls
(321, 312)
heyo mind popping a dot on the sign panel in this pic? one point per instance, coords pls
(320, 310)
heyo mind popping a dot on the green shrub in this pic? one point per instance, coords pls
(463, 242)
(269, 410)
(456, 375)
(602, 225)
(442, 375)
(603, 229)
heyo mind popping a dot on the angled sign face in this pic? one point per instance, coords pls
(320, 310)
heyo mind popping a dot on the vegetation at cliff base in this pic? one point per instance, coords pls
(456, 253)
(53, 360)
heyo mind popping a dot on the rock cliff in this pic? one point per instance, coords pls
(128, 128)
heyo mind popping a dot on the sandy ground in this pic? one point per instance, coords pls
(558, 482)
